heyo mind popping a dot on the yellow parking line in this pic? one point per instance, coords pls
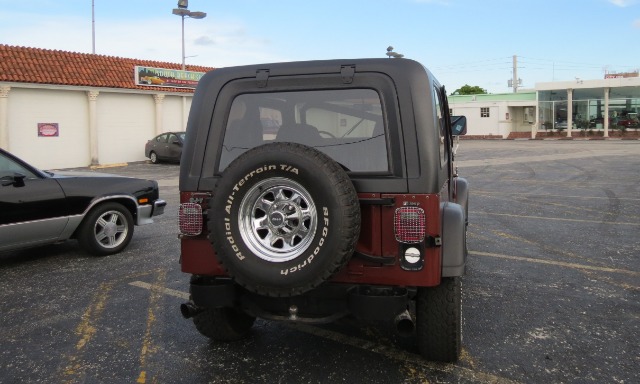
(557, 263)
(555, 218)
(166, 291)
(86, 330)
(493, 193)
(147, 341)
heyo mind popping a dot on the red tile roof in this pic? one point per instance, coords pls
(46, 66)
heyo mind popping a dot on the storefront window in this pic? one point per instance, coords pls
(545, 111)
(588, 108)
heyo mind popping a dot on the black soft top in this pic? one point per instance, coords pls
(413, 86)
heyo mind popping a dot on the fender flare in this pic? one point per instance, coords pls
(454, 240)
(461, 196)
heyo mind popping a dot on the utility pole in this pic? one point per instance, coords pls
(514, 81)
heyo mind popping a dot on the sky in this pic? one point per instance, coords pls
(461, 41)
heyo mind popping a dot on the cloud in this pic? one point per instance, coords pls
(204, 40)
(636, 23)
(622, 3)
(208, 42)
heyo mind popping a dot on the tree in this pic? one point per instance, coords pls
(469, 90)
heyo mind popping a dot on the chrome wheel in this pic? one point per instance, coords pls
(153, 157)
(277, 219)
(111, 229)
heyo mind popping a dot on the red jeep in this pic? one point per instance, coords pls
(316, 190)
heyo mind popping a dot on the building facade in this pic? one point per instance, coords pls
(496, 115)
(64, 109)
(599, 108)
(609, 105)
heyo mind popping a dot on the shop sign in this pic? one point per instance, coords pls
(621, 75)
(162, 77)
(48, 130)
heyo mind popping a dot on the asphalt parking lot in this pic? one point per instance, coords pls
(551, 293)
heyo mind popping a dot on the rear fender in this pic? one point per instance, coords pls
(454, 239)
(461, 196)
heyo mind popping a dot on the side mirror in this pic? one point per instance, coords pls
(458, 125)
(17, 180)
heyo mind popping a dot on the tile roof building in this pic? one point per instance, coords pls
(97, 108)
(46, 66)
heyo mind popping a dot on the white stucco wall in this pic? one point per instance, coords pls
(172, 121)
(28, 107)
(125, 123)
(498, 123)
(477, 125)
(125, 120)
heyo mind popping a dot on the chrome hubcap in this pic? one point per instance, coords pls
(277, 219)
(111, 229)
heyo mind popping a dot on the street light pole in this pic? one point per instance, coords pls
(183, 58)
(93, 27)
(182, 11)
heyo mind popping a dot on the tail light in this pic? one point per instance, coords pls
(190, 219)
(410, 225)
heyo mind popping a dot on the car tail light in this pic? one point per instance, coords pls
(190, 219)
(410, 225)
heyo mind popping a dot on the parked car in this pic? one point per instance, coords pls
(562, 124)
(599, 121)
(99, 210)
(628, 123)
(165, 147)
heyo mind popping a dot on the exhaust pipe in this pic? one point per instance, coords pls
(189, 310)
(404, 324)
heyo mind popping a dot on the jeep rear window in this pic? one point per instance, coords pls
(346, 124)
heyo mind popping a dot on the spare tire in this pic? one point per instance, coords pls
(283, 219)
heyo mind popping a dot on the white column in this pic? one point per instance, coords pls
(159, 98)
(605, 119)
(185, 113)
(93, 126)
(4, 116)
(569, 111)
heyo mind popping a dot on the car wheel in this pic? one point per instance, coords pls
(223, 324)
(284, 218)
(153, 157)
(107, 229)
(439, 320)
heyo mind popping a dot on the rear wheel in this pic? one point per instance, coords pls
(223, 324)
(153, 157)
(439, 320)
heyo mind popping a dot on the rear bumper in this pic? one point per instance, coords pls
(322, 305)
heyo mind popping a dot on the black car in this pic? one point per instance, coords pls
(99, 210)
(165, 147)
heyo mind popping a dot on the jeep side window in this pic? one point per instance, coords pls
(441, 126)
